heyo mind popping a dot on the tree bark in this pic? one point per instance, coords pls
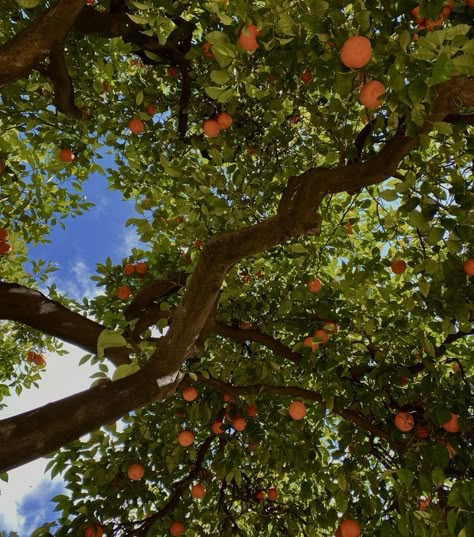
(32, 308)
(34, 43)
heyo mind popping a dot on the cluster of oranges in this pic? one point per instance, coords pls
(140, 269)
(430, 24)
(5, 247)
(212, 127)
(35, 358)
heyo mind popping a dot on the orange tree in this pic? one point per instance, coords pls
(305, 208)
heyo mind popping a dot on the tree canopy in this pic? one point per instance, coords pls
(289, 351)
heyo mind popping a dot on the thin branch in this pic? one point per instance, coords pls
(310, 395)
(241, 335)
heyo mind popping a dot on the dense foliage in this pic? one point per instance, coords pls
(306, 184)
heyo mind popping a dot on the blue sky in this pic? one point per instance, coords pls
(87, 240)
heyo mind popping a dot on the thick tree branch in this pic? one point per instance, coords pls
(33, 44)
(32, 308)
(296, 215)
(63, 86)
(72, 417)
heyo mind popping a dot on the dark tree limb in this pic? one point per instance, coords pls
(30, 46)
(32, 308)
(35, 433)
(63, 86)
(240, 335)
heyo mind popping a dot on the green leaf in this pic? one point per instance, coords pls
(406, 476)
(460, 29)
(388, 195)
(125, 370)
(108, 339)
(464, 64)
(220, 77)
(28, 4)
(443, 69)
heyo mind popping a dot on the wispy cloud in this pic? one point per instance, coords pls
(129, 240)
(78, 284)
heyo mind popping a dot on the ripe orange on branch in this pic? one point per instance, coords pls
(356, 52)
(93, 530)
(314, 285)
(349, 528)
(190, 393)
(185, 438)
(248, 38)
(198, 491)
(452, 425)
(404, 421)
(398, 266)
(135, 472)
(177, 528)
(297, 410)
(370, 93)
(468, 266)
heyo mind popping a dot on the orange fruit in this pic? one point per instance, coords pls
(452, 425)
(424, 503)
(239, 424)
(177, 528)
(398, 266)
(227, 398)
(150, 110)
(245, 325)
(128, 269)
(253, 446)
(403, 381)
(136, 125)
(470, 3)
(348, 227)
(224, 120)
(93, 530)
(171, 72)
(404, 422)
(185, 438)
(421, 431)
(3, 234)
(206, 50)
(31, 356)
(272, 494)
(308, 342)
(248, 38)
(306, 76)
(190, 393)
(260, 496)
(322, 335)
(135, 472)
(297, 410)
(141, 268)
(369, 94)
(251, 410)
(211, 128)
(38, 359)
(216, 427)
(468, 266)
(356, 52)
(66, 155)
(124, 292)
(4, 248)
(314, 285)
(198, 491)
(349, 528)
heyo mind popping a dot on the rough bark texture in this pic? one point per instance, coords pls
(32, 308)
(30, 435)
(33, 44)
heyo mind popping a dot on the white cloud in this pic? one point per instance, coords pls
(129, 240)
(61, 377)
(80, 285)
